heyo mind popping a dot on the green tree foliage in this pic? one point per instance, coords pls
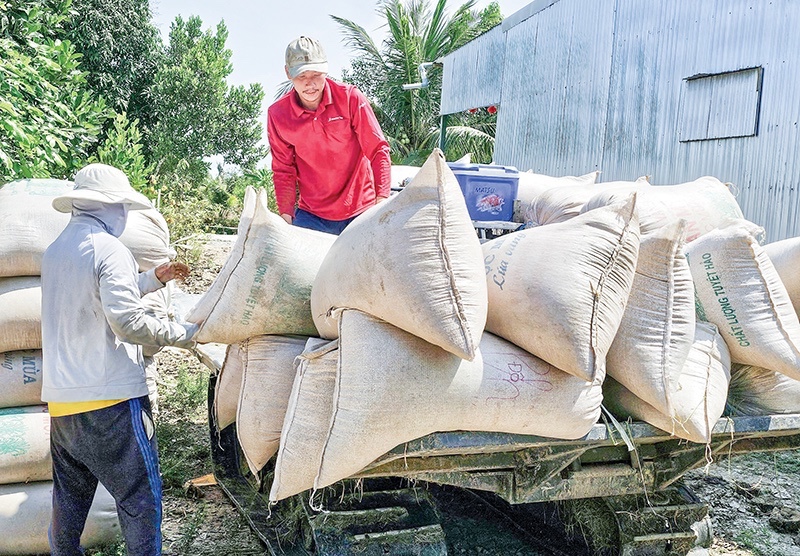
(121, 51)
(197, 114)
(48, 118)
(418, 32)
(122, 148)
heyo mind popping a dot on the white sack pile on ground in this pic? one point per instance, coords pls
(414, 261)
(20, 378)
(264, 286)
(28, 225)
(25, 445)
(25, 512)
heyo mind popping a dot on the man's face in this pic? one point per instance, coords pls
(309, 86)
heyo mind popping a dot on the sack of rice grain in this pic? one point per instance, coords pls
(738, 290)
(559, 291)
(392, 387)
(413, 260)
(25, 512)
(308, 417)
(705, 204)
(20, 378)
(532, 185)
(264, 286)
(25, 445)
(757, 391)
(20, 313)
(28, 224)
(559, 204)
(267, 379)
(229, 385)
(657, 328)
(785, 257)
(699, 400)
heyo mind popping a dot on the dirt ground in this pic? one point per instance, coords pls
(753, 499)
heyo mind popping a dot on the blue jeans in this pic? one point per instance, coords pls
(305, 219)
(116, 446)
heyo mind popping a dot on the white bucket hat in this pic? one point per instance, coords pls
(104, 184)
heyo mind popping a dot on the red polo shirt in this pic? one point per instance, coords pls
(336, 155)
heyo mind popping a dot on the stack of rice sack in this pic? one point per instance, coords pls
(28, 224)
(343, 348)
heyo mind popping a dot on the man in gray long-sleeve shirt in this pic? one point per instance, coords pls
(93, 326)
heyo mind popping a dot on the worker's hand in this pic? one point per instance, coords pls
(287, 218)
(380, 199)
(171, 270)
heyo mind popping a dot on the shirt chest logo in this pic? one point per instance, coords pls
(334, 118)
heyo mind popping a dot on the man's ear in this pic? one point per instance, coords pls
(286, 69)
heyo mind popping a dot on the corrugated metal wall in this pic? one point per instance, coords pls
(654, 87)
(482, 58)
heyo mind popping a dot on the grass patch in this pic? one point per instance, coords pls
(182, 427)
(117, 549)
(756, 539)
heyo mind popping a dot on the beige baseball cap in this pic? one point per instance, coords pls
(305, 54)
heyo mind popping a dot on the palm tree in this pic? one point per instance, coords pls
(418, 32)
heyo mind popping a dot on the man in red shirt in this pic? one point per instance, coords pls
(326, 145)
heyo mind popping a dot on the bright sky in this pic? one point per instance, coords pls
(260, 30)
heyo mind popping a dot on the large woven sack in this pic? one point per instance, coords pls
(147, 236)
(757, 391)
(267, 379)
(413, 260)
(264, 286)
(229, 385)
(559, 204)
(705, 204)
(25, 512)
(308, 416)
(392, 387)
(738, 290)
(657, 328)
(785, 256)
(559, 291)
(20, 313)
(25, 445)
(20, 378)
(29, 224)
(699, 400)
(531, 185)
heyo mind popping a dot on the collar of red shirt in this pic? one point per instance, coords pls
(327, 99)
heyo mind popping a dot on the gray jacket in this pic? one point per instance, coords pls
(93, 319)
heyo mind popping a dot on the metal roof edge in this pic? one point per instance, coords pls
(524, 13)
